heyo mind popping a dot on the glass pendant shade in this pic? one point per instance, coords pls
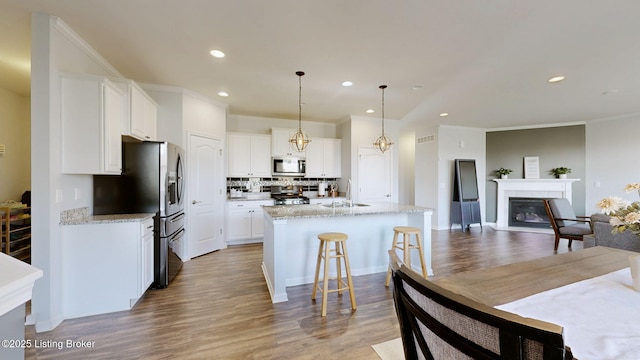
(299, 140)
(383, 142)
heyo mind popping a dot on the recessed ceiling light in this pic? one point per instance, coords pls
(556, 79)
(217, 54)
(370, 111)
(608, 92)
(347, 83)
(444, 114)
(223, 94)
(417, 87)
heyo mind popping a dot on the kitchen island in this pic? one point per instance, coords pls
(290, 246)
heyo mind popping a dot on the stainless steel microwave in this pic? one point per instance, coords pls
(288, 166)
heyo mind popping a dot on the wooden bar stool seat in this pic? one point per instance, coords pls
(406, 248)
(325, 254)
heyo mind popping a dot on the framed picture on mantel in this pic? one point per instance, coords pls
(531, 167)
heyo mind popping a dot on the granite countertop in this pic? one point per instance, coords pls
(104, 219)
(283, 212)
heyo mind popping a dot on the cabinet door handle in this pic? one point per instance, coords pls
(195, 202)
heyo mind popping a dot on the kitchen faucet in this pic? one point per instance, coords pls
(348, 193)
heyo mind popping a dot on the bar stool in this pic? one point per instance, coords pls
(338, 252)
(406, 247)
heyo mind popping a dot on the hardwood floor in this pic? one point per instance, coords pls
(218, 307)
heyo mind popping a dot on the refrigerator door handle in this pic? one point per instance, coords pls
(177, 235)
(176, 218)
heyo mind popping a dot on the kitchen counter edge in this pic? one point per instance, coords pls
(285, 212)
(105, 219)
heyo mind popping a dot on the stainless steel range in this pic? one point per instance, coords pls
(290, 200)
(288, 195)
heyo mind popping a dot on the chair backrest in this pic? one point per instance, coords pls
(438, 324)
(562, 209)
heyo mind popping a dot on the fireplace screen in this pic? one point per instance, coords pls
(528, 212)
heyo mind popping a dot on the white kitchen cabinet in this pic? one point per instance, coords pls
(146, 272)
(106, 267)
(92, 111)
(141, 115)
(324, 158)
(248, 155)
(280, 145)
(245, 220)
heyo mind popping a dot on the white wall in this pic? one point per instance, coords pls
(15, 127)
(613, 159)
(55, 49)
(406, 167)
(364, 132)
(425, 172)
(263, 125)
(434, 167)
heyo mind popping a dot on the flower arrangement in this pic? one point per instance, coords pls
(624, 215)
(560, 171)
(503, 171)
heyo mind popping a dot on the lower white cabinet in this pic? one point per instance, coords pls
(106, 267)
(245, 221)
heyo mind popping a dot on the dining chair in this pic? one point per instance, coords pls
(439, 324)
(565, 223)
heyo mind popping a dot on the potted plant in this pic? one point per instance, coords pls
(503, 173)
(561, 172)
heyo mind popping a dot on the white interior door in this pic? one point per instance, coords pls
(374, 175)
(206, 201)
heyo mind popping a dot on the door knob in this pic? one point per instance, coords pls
(195, 202)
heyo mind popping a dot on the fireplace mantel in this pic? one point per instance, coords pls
(532, 188)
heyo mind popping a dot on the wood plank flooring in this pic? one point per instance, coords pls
(218, 307)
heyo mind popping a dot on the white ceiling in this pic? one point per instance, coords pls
(485, 62)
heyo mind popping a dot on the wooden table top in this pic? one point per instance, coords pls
(503, 284)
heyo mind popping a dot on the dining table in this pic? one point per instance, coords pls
(588, 292)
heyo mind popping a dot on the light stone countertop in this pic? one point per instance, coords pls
(104, 219)
(284, 212)
(16, 282)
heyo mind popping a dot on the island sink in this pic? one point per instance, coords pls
(343, 204)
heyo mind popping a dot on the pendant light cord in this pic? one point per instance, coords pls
(383, 87)
(300, 74)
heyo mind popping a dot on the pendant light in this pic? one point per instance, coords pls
(383, 143)
(299, 140)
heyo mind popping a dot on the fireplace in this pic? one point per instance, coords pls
(527, 188)
(528, 212)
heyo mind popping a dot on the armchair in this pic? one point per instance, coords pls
(438, 324)
(564, 221)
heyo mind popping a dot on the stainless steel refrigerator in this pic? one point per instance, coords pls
(152, 181)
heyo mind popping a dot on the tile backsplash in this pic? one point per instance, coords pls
(264, 184)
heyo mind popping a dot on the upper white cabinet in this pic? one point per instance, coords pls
(92, 111)
(323, 158)
(248, 155)
(141, 118)
(280, 143)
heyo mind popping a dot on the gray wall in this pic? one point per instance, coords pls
(556, 147)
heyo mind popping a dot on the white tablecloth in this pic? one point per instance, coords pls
(600, 316)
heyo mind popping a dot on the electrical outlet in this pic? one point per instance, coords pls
(58, 195)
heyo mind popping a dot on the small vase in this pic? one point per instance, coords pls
(504, 176)
(562, 176)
